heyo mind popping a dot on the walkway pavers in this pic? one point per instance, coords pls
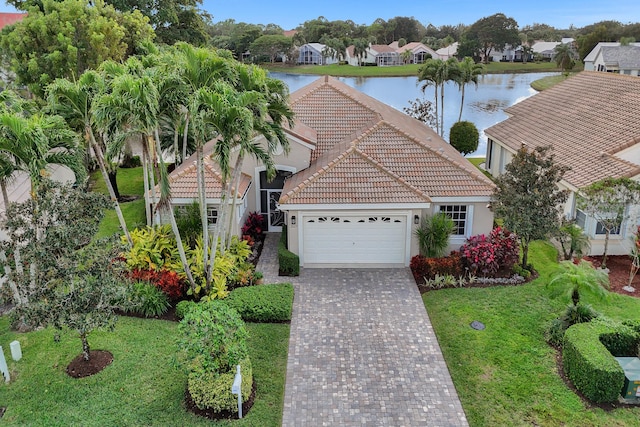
(362, 352)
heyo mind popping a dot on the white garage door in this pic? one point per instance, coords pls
(354, 239)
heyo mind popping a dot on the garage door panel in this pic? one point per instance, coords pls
(355, 240)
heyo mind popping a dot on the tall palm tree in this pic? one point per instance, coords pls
(468, 72)
(360, 47)
(73, 101)
(437, 72)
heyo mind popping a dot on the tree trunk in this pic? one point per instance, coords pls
(145, 179)
(202, 199)
(175, 145)
(185, 137)
(442, 110)
(235, 184)
(152, 158)
(113, 193)
(606, 247)
(575, 297)
(114, 183)
(461, 104)
(525, 254)
(86, 353)
(437, 110)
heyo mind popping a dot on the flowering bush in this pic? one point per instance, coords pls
(169, 282)
(486, 255)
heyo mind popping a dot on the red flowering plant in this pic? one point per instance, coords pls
(253, 227)
(486, 255)
(169, 282)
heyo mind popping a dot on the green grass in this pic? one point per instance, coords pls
(506, 375)
(130, 183)
(477, 161)
(408, 70)
(142, 387)
(549, 81)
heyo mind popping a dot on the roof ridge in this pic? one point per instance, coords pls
(474, 172)
(394, 175)
(319, 172)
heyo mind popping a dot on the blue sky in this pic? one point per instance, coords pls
(289, 14)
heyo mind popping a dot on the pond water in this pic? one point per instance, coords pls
(483, 105)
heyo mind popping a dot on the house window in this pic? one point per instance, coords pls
(212, 216)
(601, 230)
(581, 219)
(489, 154)
(460, 216)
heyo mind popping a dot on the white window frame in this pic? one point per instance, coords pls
(212, 215)
(468, 220)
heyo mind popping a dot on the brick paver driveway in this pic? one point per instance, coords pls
(362, 352)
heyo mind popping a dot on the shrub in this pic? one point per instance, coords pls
(182, 307)
(464, 137)
(131, 162)
(189, 223)
(147, 299)
(428, 268)
(590, 365)
(265, 303)
(572, 315)
(486, 255)
(212, 338)
(254, 226)
(244, 275)
(433, 234)
(289, 263)
(167, 281)
(211, 391)
(153, 249)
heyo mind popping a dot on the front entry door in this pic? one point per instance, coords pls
(276, 216)
(270, 192)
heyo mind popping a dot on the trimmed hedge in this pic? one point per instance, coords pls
(213, 391)
(289, 263)
(262, 303)
(588, 359)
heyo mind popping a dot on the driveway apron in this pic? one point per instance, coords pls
(362, 351)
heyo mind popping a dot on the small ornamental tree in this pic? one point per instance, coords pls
(608, 201)
(527, 196)
(464, 137)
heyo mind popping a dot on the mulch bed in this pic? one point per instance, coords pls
(98, 360)
(224, 415)
(619, 267)
(423, 288)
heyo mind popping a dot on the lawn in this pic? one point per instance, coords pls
(142, 387)
(549, 81)
(408, 70)
(130, 183)
(506, 375)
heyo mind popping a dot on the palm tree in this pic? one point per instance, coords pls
(360, 47)
(437, 72)
(564, 56)
(572, 280)
(468, 72)
(406, 56)
(73, 101)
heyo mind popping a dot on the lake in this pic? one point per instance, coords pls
(484, 105)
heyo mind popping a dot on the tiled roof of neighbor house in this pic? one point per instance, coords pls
(369, 152)
(591, 56)
(541, 46)
(382, 48)
(623, 57)
(7, 18)
(588, 119)
(184, 181)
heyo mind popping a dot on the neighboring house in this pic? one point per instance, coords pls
(314, 54)
(7, 18)
(447, 52)
(546, 50)
(358, 179)
(618, 59)
(590, 63)
(419, 52)
(378, 54)
(591, 121)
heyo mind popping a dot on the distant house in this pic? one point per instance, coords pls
(419, 52)
(314, 54)
(611, 57)
(355, 184)
(591, 121)
(378, 54)
(448, 51)
(545, 50)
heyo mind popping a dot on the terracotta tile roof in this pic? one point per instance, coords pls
(382, 48)
(588, 119)
(8, 18)
(184, 183)
(375, 140)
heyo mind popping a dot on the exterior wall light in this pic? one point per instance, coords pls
(293, 220)
(416, 219)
